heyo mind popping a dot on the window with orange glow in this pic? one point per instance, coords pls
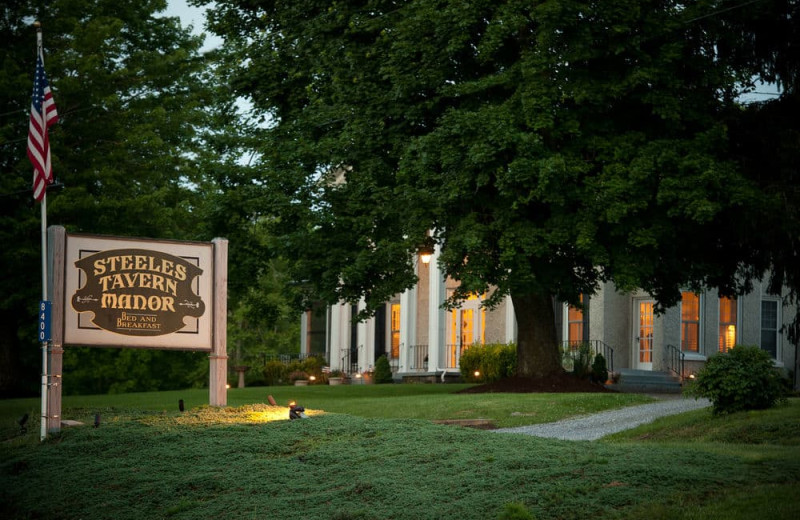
(727, 323)
(690, 322)
(575, 323)
(395, 324)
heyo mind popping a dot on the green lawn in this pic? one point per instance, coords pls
(151, 461)
(409, 401)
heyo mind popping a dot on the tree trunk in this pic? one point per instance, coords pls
(537, 343)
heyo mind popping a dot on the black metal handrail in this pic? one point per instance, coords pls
(571, 349)
(675, 360)
(419, 358)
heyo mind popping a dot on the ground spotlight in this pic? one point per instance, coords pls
(296, 411)
(180, 404)
(97, 420)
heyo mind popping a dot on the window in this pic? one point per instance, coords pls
(727, 323)
(574, 324)
(577, 323)
(316, 329)
(395, 331)
(769, 327)
(690, 322)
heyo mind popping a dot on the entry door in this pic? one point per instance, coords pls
(643, 334)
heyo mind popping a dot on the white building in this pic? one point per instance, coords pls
(422, 340)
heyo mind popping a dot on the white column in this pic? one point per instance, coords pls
(511, 321)
(408, 326)
(361, 340)
(336, 336)
(436, 317)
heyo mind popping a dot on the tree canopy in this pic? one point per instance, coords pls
(145, 147)
(549, 145)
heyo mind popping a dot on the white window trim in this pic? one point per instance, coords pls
(700, 355)
(738, 323)
(778, 334)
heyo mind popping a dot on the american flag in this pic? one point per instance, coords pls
(43, 114)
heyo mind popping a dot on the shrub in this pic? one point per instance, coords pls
(312, 366)
(582, 359)
(274, 372)
(599, 369)
(515, 511)
(743, 379)
(297, 375)
(383, 371)
(493, 361)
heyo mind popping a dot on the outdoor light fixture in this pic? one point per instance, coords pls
(312, 378)
(96, 420)
(180, 404)
(477, 374)
(296, 411)
(426, 250)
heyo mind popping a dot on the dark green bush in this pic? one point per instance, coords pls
(312, 366)
(515, 511)
(743, 379)
(599, 369)
(383, 371)
(580, 358)
(275, 373)
(493, 361)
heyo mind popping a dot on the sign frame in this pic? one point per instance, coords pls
(119, 267)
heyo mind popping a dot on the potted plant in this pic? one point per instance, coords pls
(298, 378)
(336, 377)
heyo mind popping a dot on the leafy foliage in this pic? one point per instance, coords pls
(515, 511)
(550, 146)
(743, 379)
(599, 369)
(493, 361)
(383, 371)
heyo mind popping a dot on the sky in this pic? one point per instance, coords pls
(191, 16)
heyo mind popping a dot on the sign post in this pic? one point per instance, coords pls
(136, 293)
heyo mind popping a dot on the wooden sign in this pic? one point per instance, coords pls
(122, 292)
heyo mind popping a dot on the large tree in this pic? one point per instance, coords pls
(133, 92)
(549, 145)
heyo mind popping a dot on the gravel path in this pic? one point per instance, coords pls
(595, 426)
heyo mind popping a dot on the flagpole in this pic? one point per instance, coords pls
(45, 375)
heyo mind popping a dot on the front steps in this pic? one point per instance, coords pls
(646, 382)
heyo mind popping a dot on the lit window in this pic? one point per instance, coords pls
(575, 324)
(727, 323)
(690, 322)
(395, 319)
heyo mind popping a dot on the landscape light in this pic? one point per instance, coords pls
(180, 404)
(296, 411)
(312, 378)
(96, 420)
(477, 373)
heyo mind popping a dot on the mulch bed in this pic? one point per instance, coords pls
(562, 383)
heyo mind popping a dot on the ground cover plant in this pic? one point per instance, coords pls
(238, 462)
(430, 402)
